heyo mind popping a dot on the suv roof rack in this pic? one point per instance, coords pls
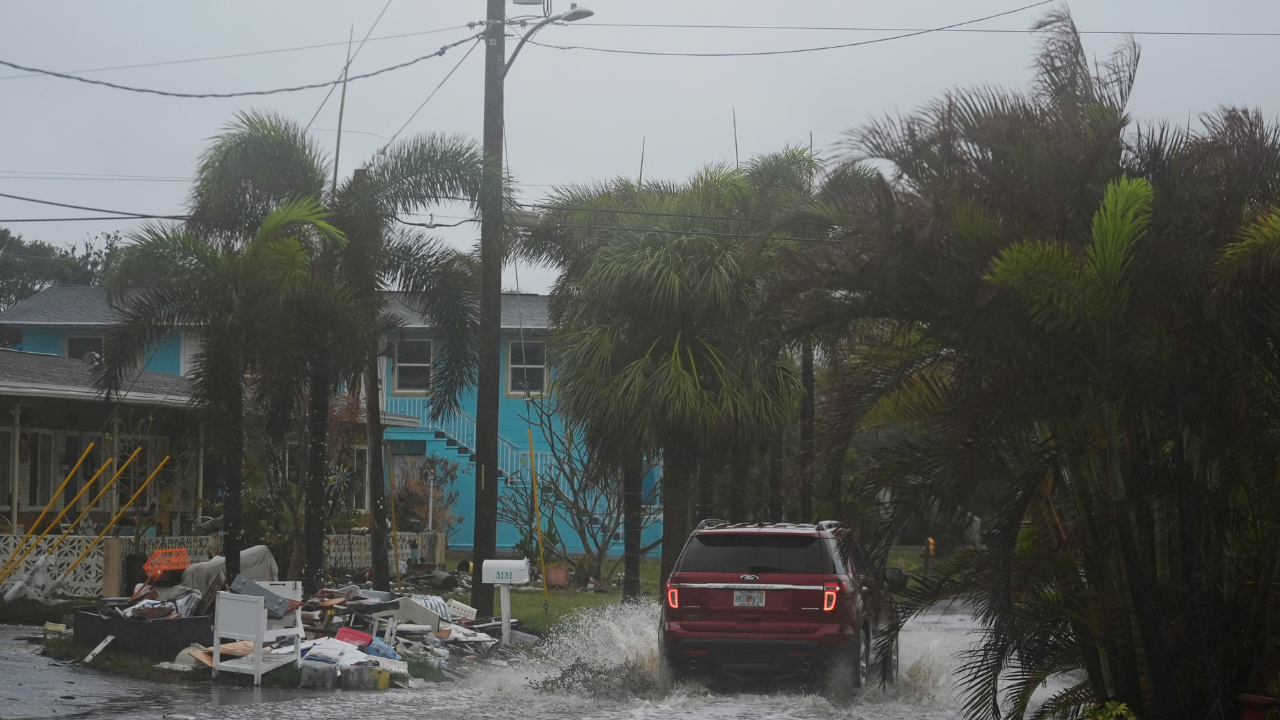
(710, 522)
(828, 524)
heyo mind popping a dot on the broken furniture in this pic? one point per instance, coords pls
(244, 617)
(159, 640)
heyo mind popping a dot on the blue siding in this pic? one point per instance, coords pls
(514, 423)
(165, 358)
(42, 340)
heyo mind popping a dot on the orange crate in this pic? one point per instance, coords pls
(162, 561)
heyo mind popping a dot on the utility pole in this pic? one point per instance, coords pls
(484, 544)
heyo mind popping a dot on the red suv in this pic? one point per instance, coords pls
(774, 600)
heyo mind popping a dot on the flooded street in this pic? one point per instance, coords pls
(606, 653)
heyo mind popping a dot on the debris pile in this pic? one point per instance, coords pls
(187, 614)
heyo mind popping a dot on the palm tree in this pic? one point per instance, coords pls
(654, 350)
(1025, 320)
(263, 161)
(228, 293)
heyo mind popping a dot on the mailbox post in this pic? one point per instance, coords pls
(504, 574)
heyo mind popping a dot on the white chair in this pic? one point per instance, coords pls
(244, 617)
(289, 626)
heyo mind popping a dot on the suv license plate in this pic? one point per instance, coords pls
(748, 598)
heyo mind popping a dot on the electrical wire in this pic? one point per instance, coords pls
(433, 94)
(759, 53)
(1001, 31)
(350, 59)
(276, 91)
(82, 219)
(706, 233)
(90, 209)
(241, 55)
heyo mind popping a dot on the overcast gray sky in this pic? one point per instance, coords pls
(572, 116)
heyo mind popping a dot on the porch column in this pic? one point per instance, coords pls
(199, 471)
(13, 469)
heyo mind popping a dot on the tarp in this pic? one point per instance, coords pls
(256, 563)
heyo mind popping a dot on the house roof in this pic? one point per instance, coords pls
(528, 311)
(49, 376)
(87, 306)
(62, 305)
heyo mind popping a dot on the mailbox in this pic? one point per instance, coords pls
(505, 572)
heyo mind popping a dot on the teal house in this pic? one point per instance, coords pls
(71, 322)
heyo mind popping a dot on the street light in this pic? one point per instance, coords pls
(496, 66)
(575, 13)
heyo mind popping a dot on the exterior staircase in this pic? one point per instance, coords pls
(456, 432)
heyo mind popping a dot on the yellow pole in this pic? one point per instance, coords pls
(391, 496)
(17, 564)
(537, 518)
(96, 498)
(115, 519)
(7, 566)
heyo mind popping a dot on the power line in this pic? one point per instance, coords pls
(708, 233)
(797, 50)
(433, 94)
(82, 219)
(350, 59)
(101, 175)
(90, 209)
(1008, 31)
(96, 179)
(296, 88)
(240, 55)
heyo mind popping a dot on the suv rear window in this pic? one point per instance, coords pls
(756, 553)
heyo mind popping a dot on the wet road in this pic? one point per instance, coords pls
(607, 651)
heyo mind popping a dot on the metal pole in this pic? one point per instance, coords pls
(485, 539)
(506, 613)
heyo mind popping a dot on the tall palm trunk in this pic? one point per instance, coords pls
(806, 432)
(377, 490)
(706, 490)
(1168, 703)
(233, 478)
(677, 476)
(775, 480)
(317, 475)
(632, 490)
(740, 469)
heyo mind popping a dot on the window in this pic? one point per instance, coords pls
(78, 347)
(35, 451)
(413, 366)
(191, 345)
(742, 553)
(528, 368)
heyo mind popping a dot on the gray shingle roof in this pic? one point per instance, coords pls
(77, 305)
(52, 376)
(62, 305)
(529, 311)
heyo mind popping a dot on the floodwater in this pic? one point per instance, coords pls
(599, 666)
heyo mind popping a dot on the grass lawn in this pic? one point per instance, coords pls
(527, 606)
(25, 611)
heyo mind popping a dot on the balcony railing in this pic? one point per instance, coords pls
(461, 429)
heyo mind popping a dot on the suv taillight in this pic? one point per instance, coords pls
(673, 597)
(830, 591)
